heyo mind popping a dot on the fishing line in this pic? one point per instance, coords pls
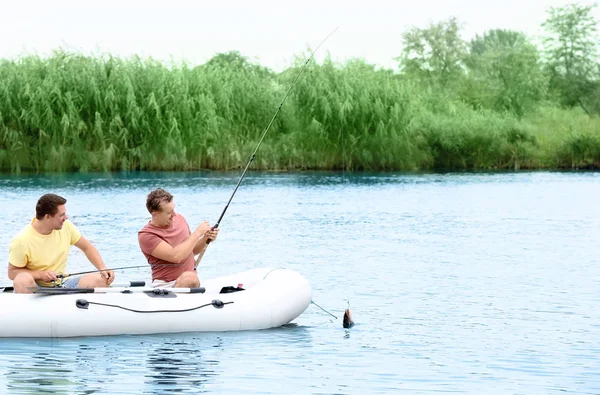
(323, 309)
(263, 136)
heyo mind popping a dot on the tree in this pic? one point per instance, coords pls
(436, 54)
(591, 101)
(571, 50)
(234, 60)
(493, 39)
(505, 73)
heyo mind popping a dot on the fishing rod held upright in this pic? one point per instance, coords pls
(265, 132)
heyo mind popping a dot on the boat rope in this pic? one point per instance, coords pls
(84, 304)
(323, 309)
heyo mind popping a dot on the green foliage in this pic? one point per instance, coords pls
(567, 138)
(436, 54)
(505, 73)
(590, 102)
(358, 114)
(458, 137)
(74, 112)
(493, 39)
(571, 49)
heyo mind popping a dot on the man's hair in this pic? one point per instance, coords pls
(48, 204)
(156, 197)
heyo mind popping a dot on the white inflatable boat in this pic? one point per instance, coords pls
(255, 299)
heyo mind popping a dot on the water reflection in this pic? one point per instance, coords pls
(176, 367)
(87, 359)
(41, 373)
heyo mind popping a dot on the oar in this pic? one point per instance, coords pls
(98, 271)
(10, 288)
(129, 284)
(148, 290)
(261, 140)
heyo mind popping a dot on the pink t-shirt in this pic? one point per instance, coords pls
(150, 237)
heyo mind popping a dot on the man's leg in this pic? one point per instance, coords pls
(23, 283)
(93, 280)
(188, 280)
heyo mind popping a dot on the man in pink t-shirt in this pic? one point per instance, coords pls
(169, 245)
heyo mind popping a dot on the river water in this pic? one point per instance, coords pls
(458, 283)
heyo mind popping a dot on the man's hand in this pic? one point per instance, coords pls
(47, 276)
(108, 276)
(202, 229)
(212, 234)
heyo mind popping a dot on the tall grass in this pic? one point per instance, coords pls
(567, 138)
(74, 112)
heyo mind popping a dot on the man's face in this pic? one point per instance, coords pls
(57, 220)
(164, 217)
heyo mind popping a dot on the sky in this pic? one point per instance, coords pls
(270, 33)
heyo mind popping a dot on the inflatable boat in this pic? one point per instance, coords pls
(255, 299)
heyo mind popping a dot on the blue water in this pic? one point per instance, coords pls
(459, 283)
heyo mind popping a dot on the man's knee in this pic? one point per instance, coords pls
(23, 283)
(93, 280)
(188, 280)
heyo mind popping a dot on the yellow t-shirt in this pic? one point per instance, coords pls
(35, 251)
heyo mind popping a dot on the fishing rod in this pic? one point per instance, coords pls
(98, 271)
(263, 136)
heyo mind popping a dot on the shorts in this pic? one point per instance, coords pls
(163, 284)
(71, 282)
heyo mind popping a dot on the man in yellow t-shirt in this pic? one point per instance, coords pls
(39, 252)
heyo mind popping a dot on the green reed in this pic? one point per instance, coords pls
(74, 112)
